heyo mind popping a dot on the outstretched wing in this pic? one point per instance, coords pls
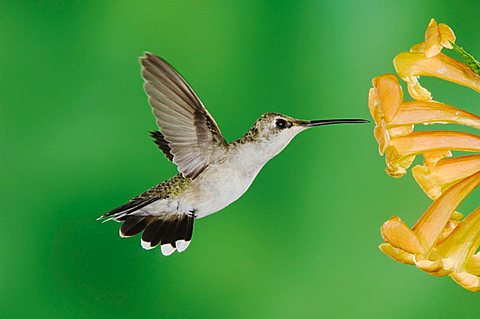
(191, 133)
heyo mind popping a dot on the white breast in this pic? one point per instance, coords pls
(220, 185)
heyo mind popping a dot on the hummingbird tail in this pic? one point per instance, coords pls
(172, 231)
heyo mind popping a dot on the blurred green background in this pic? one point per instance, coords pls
(302, 242)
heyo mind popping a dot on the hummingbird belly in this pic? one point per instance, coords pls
(217, 187)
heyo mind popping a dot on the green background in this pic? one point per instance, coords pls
(301, 243)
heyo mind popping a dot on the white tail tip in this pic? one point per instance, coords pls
(182, 245)
(167, 249)
(146, 245)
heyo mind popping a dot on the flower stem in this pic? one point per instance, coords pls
(469, 59)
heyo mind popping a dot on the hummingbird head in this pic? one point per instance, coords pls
(274, 130)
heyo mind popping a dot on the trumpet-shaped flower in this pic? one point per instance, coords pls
(427, 245)
(455, 254)
(448, 171)
(442, 242)
(426, 59)
(395, 120)
(402, 150)
(411, 65)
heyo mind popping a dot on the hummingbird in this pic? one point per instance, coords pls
(213, 173)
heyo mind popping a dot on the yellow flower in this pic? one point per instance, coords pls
(442, 242)
(402, 150)
(426, 59)
(395, 120)
(410, 65)
(456, 254)
(427, 245)
(448, 171)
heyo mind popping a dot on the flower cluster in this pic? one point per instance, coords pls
(442, 242)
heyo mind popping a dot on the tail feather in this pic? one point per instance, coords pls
(168, 231)
(189, 229)
(182, 230)
(185, 230)
(133, 225)
(171, 234)
(172, 231)
(152, 235)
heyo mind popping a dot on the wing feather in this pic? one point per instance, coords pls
(191, 133)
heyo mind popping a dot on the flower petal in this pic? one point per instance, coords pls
(409, 65)
(462, 242)
(436, 37)
(467, 281)
(434, 267)
(373, 103)
(417, 91)
(430, 112)
(397, 131)
(456, 216)
(432, 158)
(447, 37)
(397, 164)
(384, 100)
(382, 137)
(430, 226)
(447, 172)
(389, 95)
(397, 254)
(451, 225)
(402, 150)
(399, 235)
(459, 247)
(419, 47)
(473, 264)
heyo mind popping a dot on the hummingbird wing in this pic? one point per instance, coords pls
(191, 133)
(162, 144)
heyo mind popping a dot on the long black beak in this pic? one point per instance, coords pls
(333, 121)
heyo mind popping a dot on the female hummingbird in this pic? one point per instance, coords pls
(212, 172)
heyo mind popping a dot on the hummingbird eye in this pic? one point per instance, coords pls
(281, 124)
